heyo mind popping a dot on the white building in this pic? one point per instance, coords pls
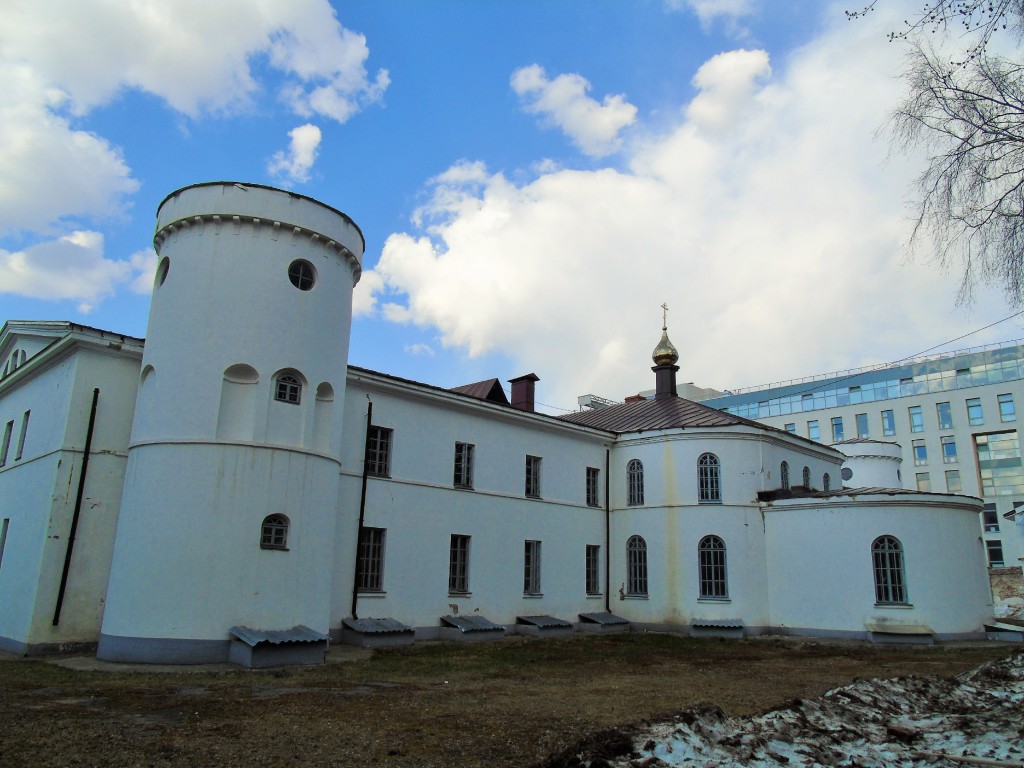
(266, 491)
(954, 419)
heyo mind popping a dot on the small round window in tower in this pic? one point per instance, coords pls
(847, 473)
(162, 270)
(302, 274)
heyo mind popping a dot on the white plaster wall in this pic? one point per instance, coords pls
(188, 562)
(672, 536)
(820, 568)
(38, 493)
(227, 300)
(421, 509)
(749, 459)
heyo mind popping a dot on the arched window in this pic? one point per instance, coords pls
(826, 482)
(887, 559)
(709, 487)
(636, 566)
(784, 475)
(711, 563)
(635, 482)
(274, 534)
(807, 478)
(288, 389)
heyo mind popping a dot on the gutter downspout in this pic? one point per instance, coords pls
(362, 506)
(607, 534)
(78, 509)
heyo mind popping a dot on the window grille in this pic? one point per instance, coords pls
(378, 451)
(370, 570)
(887, 557)
(593, 569)
(636, 566)
(635, 482)
(709, 487)
(784, 475)
(531, 568)
(458, 565)
(711, 559)
(807, 477)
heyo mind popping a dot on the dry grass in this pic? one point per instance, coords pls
(508, 703)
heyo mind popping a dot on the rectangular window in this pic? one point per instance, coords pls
(463, 465)
(862, 425)
(370, 573)
(920, 453)
(593, 489)
(458, 565)
(995, 553)
(948, 449)
(945, 414)
(888, 423)
(924, 483)
(531, 568)
(3, 537)
(812, 430)
(916, 418)
(5, 447)
(990, 518)
(378, 452)
(837, 429)
(1006, 410)
(21, 436)
(975, 416)
(593, 569)
(999, 464)
(533, 476)
(791, 428)
(953, 481)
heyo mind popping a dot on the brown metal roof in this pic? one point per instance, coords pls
(667, 413)
(488, 389)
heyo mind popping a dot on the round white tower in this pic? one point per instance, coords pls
(871, 463)
(230, 497)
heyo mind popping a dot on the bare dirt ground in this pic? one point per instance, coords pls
(516, 702)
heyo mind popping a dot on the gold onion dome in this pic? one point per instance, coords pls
(665, 353)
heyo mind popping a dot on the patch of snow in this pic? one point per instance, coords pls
(975, 719)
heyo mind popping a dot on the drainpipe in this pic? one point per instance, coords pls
(362, 506)
(78, 509)
(607, 533)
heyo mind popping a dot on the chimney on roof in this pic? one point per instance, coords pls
(522, 391)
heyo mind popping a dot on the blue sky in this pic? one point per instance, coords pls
(533, 179)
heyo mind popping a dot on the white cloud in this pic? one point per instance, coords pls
(777, 243)
(420, 350)
(61, 59)
(709, 11)
(70, 268)
(727, 83)
(295, 164)
(591, 125)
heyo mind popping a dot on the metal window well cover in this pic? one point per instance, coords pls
(719, 623)
(545, 622)
(471, 623)
(297, 634)
(605, 619)
(378, 626)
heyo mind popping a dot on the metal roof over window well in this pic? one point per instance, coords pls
(605, 619)
(471, 623)
(543, 621)
(377, 626)
(297, 634)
